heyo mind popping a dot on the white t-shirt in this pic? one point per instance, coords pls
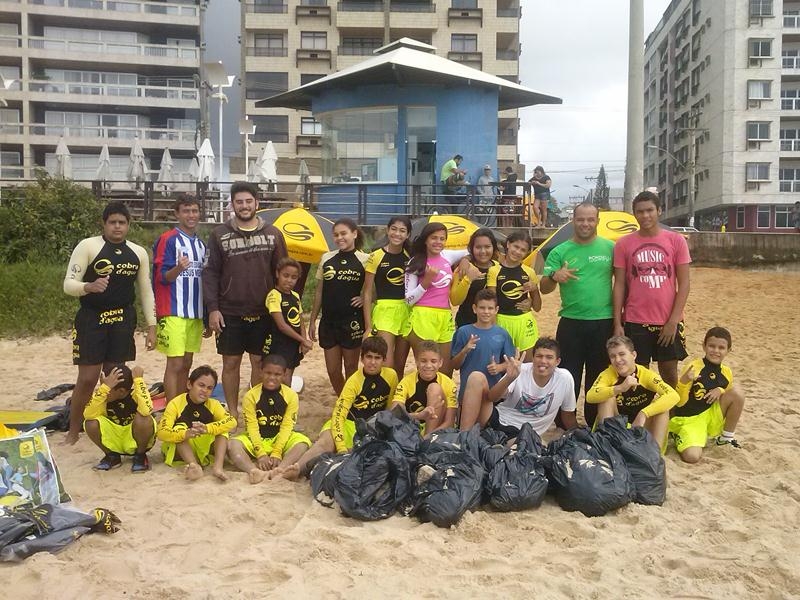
(526, 402)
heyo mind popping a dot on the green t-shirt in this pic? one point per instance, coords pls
(447, 169)
(588, 297)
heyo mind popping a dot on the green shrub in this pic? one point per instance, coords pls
(43, 221)
(32, 300)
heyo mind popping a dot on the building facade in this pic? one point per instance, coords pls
(98, 72)
(722, 108)
(289, 43)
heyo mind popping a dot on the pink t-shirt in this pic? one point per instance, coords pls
(651, 282)
(438, 294)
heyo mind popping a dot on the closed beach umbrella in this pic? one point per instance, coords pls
(307, 235)
(137, 166)
(165, 171)
(267, 165)
(63, 160)
(104, 165)
(194, 169)
(305, 176)
(205, 161)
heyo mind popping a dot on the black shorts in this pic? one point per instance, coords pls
(288, 349)
(103, 336)
(243, 334)
(346, 332)
(494, 423)
(645, 340)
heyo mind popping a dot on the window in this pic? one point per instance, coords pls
(269, 44)
(789, 180)
(273, 128)
(758, 89)
(740, 217)
(790, 99)
(313, 40)
(310, 126)
(9, 120)
(790, 140)
(783, 217)
(760, 8)
(359, 46)
(763, 216)
(263, 85)
(269, 6)
(757, 132)
(464, 42)
(757, 171)
(759, 50)
(309, 77)
(465, 4)
(790, 59)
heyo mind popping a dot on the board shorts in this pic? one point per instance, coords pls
(694, 431)
(286, 348)
(392, 316)
(522, 328)
(294, 439)
(243, 334)
(349, 431)
(346, 332)
(175, 336)
(434, 324)
(202, 446)
(103, 336)
(645, 340)
(119, 438)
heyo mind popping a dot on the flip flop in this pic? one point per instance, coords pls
(54, 391)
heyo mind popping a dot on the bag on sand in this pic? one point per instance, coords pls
(323, 477)
(390, 426)
(495, 448)
(518, 480)
(642, 456)
(587, 474)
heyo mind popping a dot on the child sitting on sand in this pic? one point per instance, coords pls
(196, 426)
(270, 413)
(710, 405)
(366, 392)
(626, 388)
(427, 395)
(118, 419)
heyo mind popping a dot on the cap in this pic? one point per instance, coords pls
(487, 167)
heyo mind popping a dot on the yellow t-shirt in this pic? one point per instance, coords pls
(411, 391)
(652, 396)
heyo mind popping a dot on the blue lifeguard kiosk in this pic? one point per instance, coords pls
(390, 122)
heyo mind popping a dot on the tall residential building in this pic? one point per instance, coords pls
(726, 76)
(98, 72)
(288, 43)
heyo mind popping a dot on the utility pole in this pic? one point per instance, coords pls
(634, 159)
(692, 166)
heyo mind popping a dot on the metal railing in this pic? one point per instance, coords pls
(113, 132)
(355, 6)
(357, 50)
(151, 50)
(10, 41)
(790, 62)
(509, 12)
(790, 145)
(413, 7)
(790, 103)
(161, 8)
(108, 89)
(258, 51)
(791, 21)
(259, 8)
(507, 55)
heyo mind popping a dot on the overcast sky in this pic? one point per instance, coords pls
(577, 50)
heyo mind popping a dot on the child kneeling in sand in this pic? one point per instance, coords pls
(635, 391)
(118, 419)
(710, 405)
(270, 413)
(366, 392)
(195, 426)
(427, 395)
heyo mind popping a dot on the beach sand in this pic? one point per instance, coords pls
(727, 530)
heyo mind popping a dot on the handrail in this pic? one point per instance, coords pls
(109, 89)
(113, 132)
(162, 8)
(152, 50)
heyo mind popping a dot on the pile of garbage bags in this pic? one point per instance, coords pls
(392, 469)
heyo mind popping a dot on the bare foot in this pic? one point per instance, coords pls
(292, 472)
(193, 471)
(219, 474)
(256, 475)
(71, 439)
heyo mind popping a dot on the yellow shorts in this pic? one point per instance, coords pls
(349, 431)
(294, 439)
(694, 431)
(391, 316)
(522, 328)
(175, 336)
(202, 445)
(434, 324)
(119, 438)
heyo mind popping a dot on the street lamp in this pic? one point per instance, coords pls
(587, 190)
(246, 128)
(217, 78)
(690, 168)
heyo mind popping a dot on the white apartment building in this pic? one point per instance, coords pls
(288, 43)
(725, 74)
(98, 72)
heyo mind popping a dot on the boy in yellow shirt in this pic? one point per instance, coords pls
(626, 388)
(270, 413)
(118, 419)
(195, 426)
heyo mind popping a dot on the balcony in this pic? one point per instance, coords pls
(507, 55)
(514, 13)
(113, 136)
(312, 10)
(507, 137)
(413, 7)
(355, 6)
(470, 59)
(356, 50)
(791, 21)
(313, 54)
(457, 14)
(125, 51)
(157, 8)
(119, 93)
(261, 8)
(256, 51)
(790, 145)
(307, 141)
(10, 41)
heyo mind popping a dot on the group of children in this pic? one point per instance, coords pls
(378, 307)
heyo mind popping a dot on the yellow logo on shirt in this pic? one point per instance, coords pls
(512, 290)
(395, 276)
(293, 316)
(103, 267)
(328, 273)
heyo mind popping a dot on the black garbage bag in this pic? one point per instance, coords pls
(391, 426)
(449, 440)
(642, 456)
(374, 481)
(587, 474)
(495, 448)
(518, 480)
(323, 477)
(449, 483)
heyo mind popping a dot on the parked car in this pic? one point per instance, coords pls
(684, 231)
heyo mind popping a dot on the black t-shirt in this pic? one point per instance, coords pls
(389, 270)
(122, 264)
(508, 284)
(373, 397)
(343, 277)
(270, 410)
(465, 314)
(121, 411)
(540, 193)
(510, 185)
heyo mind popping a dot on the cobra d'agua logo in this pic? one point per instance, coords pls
(297, 231)
(621, 226)
(454, 228)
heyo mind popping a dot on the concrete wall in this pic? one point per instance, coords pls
(744, 249)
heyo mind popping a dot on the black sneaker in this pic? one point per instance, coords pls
(721, 441)
(140, 463)
(112, 460)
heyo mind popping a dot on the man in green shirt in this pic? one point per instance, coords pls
(583, 268)
(451, 178)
